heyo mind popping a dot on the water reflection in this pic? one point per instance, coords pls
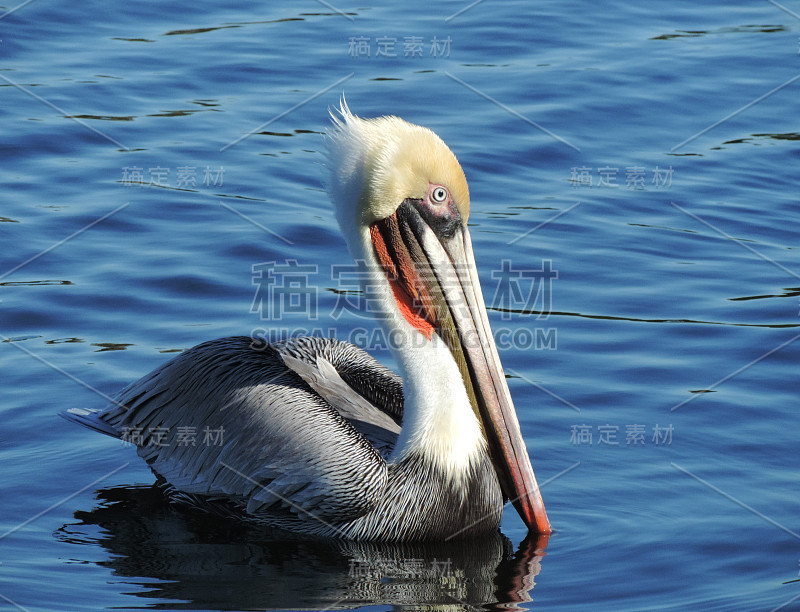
(209, 563)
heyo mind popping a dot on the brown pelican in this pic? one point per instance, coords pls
(313, 441)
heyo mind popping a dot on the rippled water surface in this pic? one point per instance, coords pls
(633, 173)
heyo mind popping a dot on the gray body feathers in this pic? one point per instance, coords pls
(294, 434)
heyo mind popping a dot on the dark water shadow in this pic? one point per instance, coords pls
(206, 562)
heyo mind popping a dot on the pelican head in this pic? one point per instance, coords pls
(402, 202)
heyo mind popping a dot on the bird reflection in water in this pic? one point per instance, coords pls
(204, 562)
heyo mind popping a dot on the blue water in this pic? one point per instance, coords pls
(656, 378)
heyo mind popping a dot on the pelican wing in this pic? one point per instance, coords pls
(363, 373)
(227, 420)
(367, 394)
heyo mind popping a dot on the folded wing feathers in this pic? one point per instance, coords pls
(281, 446)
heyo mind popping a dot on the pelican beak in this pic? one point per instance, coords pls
(431, 269)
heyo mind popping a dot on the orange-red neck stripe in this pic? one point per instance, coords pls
(407, 273)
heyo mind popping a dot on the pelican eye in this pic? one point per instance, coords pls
(439, 195)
